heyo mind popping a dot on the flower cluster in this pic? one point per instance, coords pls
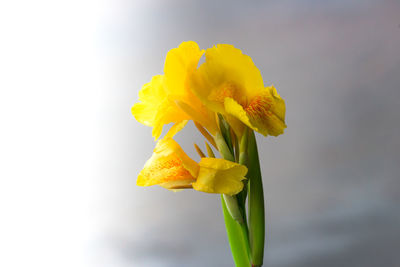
(223, 96)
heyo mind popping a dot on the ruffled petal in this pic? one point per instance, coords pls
(226, 73)
(159, 98)
(150, 95)
(179, 63)
(220, 176)
(156, 109)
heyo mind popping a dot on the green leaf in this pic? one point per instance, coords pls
(226, 133)
(256, 203)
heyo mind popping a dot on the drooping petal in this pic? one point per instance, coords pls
(265, 113)
(160, 170)
(220, 176)
(279, 108)
(168, 147)
(169, 166)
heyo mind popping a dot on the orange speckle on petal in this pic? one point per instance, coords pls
(259, 107)
(170, 169)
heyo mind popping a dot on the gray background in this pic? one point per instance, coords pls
(331, 181)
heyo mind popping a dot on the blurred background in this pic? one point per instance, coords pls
(71, 150)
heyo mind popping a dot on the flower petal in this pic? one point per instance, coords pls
(179, 63)
(236, 110)
(156, 108)
(150, 95)
(176, 128)
(265, 113)
(200, 114)
(168, 147)
(169, 163)
(220, 176)
(226, 73)
(160, 96)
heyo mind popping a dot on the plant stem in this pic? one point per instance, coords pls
(256, 203)
(234, 212)
(238, 240)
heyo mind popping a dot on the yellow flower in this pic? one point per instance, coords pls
(172, 168)
(229, 83)
(167, 98)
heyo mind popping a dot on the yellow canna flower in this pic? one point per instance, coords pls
(172, 168)
(167, 98)
(229, 83)
(224, 97)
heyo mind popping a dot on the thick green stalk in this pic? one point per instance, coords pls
(238, 239)
(256, 203)
(237, 233)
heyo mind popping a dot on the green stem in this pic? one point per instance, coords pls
(238, 239)
(256, 203)
(234, 212)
